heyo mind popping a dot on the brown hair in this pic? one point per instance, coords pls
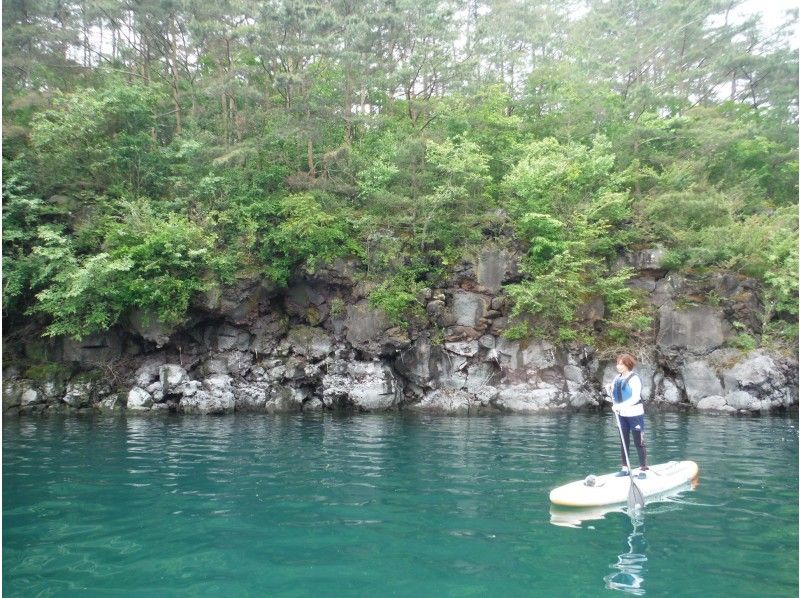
(628, 360)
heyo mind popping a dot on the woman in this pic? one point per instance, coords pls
(626, 395)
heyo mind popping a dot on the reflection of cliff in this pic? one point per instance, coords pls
(321, 345)
(631, 565)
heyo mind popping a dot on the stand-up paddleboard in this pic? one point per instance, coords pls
(609, 489)
(577, 516)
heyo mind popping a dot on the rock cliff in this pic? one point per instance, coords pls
(320, 345)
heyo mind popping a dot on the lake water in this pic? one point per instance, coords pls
(373, 505)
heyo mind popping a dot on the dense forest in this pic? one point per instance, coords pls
(158, 148)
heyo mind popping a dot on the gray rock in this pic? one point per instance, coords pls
(30, 397)
(109, 404)
(522, 398)
(740, 399)
(462, 333)
(231, 338)
(449, 401)
(284, 399)
(714, 403)
(218, 384)
(758, 371)
(578, 396)
(373, 386)
(592, 310)
(468, 349)
(366, 385)
(313, 404)
(313, 343)
(12, 394)
(574, 374)
(266, 335)
(699, 329)
(479, 376)
(670, 392)
(417, 363)
(498, 303)
(535, 355)
(205, 402)
(469, 308)
(78, 394)
(487, 341)
(150, 328)
(666, 289)
(53, 390)
(646, 259)
(395, 340)
(341, 272)
(251, 397)
(498, 326)
(171, 377)
(94, 349)
(365, 326)
(139, 400)
(237, 363)
(189, 387)
(216, 396)
(156, 391)
(239, 303)
(700, 381)
(647, 285)
(217, 364)
(148, 372)
(435, 307)
(491, 270)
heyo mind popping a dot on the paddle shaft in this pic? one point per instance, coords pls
(635, 496)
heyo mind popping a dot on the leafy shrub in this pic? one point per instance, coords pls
(155, 263)
(397, 297)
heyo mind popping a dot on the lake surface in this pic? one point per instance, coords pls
(372, 505)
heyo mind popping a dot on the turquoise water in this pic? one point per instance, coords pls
(399, 505)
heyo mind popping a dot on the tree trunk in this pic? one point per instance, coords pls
(312, 171)
(348, 107)
(173, 36)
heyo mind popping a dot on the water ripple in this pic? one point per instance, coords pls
(375, 504)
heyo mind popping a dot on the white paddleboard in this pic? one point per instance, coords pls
(609, 489)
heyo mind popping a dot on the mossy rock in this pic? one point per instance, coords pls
(48, 372)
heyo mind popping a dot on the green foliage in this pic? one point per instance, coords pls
(337, 308)
(559, 285)
(305, 235)
(397, 297)
(564, 198)
(275, 155)
(743, 342)
(555, 178)
(151, 262)
(516, 332)
(100, 139)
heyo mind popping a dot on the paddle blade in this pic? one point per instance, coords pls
(635, 498)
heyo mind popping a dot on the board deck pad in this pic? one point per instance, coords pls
(610, 489)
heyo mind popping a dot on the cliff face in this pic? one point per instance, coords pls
(320, 345)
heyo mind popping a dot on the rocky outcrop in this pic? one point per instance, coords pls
(320, 345)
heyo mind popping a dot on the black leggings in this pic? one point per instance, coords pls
(638, 439)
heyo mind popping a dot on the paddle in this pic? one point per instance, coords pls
(635, 496)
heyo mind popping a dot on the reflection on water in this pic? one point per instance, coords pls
(656, 503)
(630, 566)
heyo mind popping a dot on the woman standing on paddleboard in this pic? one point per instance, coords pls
(626, 394)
